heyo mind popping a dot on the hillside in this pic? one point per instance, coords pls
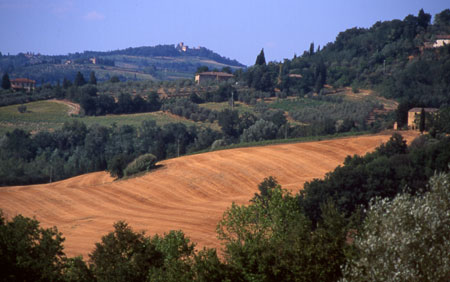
(398, 59)
(161, 62)
(188, 193)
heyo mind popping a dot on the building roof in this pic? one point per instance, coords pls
(418, 110)
(216, 73)
(443, 36)
(23, 80)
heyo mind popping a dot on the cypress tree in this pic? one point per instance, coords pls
(79, 79)
(6, 83)
(422, 121)
(311, 48)
(66, 83)
(92, 78)
(261, 59)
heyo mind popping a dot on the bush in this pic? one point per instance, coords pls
(141, 163)
(22, 109)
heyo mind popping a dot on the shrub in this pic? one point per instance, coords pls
(142, 163)
(22, 109)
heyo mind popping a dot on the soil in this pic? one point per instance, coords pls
(188, 193)
(74, 109)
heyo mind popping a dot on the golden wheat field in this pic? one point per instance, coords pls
(188, 193)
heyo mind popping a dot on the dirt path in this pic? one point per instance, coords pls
(74, 109)
(188, 193)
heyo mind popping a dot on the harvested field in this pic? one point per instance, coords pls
(188, 193)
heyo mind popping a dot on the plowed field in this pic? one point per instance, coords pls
(188, 193)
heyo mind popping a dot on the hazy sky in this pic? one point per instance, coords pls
(235, 29)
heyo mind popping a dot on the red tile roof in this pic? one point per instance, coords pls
(22, 80)
(215, 73)
(418, 110)
(444, 36)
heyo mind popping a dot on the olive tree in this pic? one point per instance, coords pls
(406, 239)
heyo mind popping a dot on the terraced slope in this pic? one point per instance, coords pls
(188, 193)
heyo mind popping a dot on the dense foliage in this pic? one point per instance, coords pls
(29, 252)
(76, 149)
(390, 57)
(383, 173)
(406, 238)
(271, 240)
(140, 164)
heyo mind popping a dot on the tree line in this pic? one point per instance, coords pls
(76, 149)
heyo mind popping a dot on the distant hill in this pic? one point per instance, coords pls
(161, 62)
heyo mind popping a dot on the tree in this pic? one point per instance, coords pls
(201, 69)
(124, 255)
(117, 164)
(395, 145)
(79, 79)
(6, 83)
(114, 79)
(261, 59)
(422, 121)
(66, 83)
(406, 239)
(154, 103)
(311, 49)
(271, 240)
(92, 78)
(443, 18)
(229, 122)
(261, 130)
(142, 163)
(423, 19)
(29, 252)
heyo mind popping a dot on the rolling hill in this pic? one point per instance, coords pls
(188, 193)
(162, 62)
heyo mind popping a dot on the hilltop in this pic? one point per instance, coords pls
(161, 62)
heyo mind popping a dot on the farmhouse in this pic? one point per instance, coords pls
(414, 113)
(212, 76)
(441, 40)
(23, 84)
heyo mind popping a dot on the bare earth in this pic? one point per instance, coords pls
(74, 108)
(188, 193)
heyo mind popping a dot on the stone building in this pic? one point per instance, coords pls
(23, 84)
(204, 77)
(414, 114)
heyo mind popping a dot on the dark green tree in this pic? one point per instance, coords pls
(66, 83)
(443, 18)
(79, 79)
(311, 49)
(6, 83)
(261, 59)
(114, 79)
(202, 69)
(153, 101)
(229, 122)
(29, 252)
(92, 78)
(271, 240)
(124, 255)
(423, 19)
(422, 121)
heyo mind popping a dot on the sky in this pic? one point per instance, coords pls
(237, 29)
